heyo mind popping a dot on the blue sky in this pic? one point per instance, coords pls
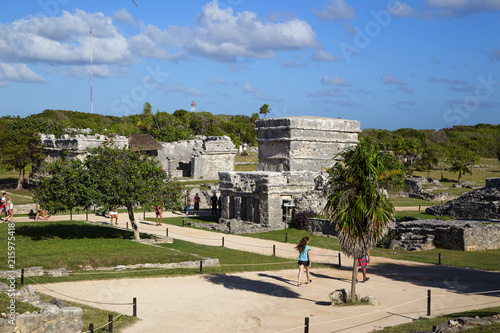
(388, 64)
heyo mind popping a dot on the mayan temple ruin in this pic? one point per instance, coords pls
(294, 153)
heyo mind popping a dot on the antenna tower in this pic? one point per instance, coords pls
(91, 97)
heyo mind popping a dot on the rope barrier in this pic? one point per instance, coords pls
(75, 298)
(106, 324)
(382, 310)
(476, 293)
(272, 263)
(356, 316)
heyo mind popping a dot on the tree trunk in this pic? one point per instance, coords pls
(131, 217)
(20, 179)
(353, 282)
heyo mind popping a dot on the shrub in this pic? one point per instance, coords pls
(386, 241)
(300, 219)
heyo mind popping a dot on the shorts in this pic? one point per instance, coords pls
(362, 262)
(305, 263)
(158, 213)
(113, 213)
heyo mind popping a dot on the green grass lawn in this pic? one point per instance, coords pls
(426, 325)
(74, 245)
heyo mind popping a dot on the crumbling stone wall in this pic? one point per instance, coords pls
(483, 203)
(464, 235)
(52, 317)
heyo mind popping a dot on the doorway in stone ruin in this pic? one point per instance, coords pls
(243, 213)
(232, 213)
(287, 209)
(256, 210)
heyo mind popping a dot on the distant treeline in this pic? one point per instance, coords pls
(484, 139)
(163, 126)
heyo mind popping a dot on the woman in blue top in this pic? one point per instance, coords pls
(304, 259)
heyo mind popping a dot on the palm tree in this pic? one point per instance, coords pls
(461, 168)
(355, 203)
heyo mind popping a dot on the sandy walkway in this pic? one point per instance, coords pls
(270, 301)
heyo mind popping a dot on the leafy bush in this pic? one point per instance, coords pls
(300, 219)
(386, 241)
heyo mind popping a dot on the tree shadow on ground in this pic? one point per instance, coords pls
(72, 231)
(462, 280)
(260, 287)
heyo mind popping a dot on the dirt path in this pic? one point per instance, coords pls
(271, 301)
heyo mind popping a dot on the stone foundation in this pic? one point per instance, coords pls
(464, 235)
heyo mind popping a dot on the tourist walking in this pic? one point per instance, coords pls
(159, 215)
(3, 205)
(39, 211)
(362, 262)
(113, 213)
(213, 200)
(10, 210)
(304, 259)
(188, 202)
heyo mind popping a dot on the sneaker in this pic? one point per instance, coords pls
(46, 219)
(366, 279)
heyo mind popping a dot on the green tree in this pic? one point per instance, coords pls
(146, 110)
(461, 168)
(356, 204)
(65, 188)
(20, 147)
(110, 176)
(462, 157)
(264, 109)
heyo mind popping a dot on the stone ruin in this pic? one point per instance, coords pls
(294, 153)
(200, 158)
(483, 203)
(462, 235)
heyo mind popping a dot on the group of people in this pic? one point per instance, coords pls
(214, 202)
(7, 208)
(305, 261)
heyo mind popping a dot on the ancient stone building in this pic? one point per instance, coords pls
(200, 158)
(293, 153)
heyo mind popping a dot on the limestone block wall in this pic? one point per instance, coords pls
(303, 143)
(207, 165)
(464, 235)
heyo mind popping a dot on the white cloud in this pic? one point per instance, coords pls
(19, 73)
(217, 82)
(334, 81)
(123, 16)
(63, 40)
(401, 9)
(389, 79)
(322, 55)
(249, 88)
(335, 10)
(406, 90)
(451, 8)
(223, 35)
